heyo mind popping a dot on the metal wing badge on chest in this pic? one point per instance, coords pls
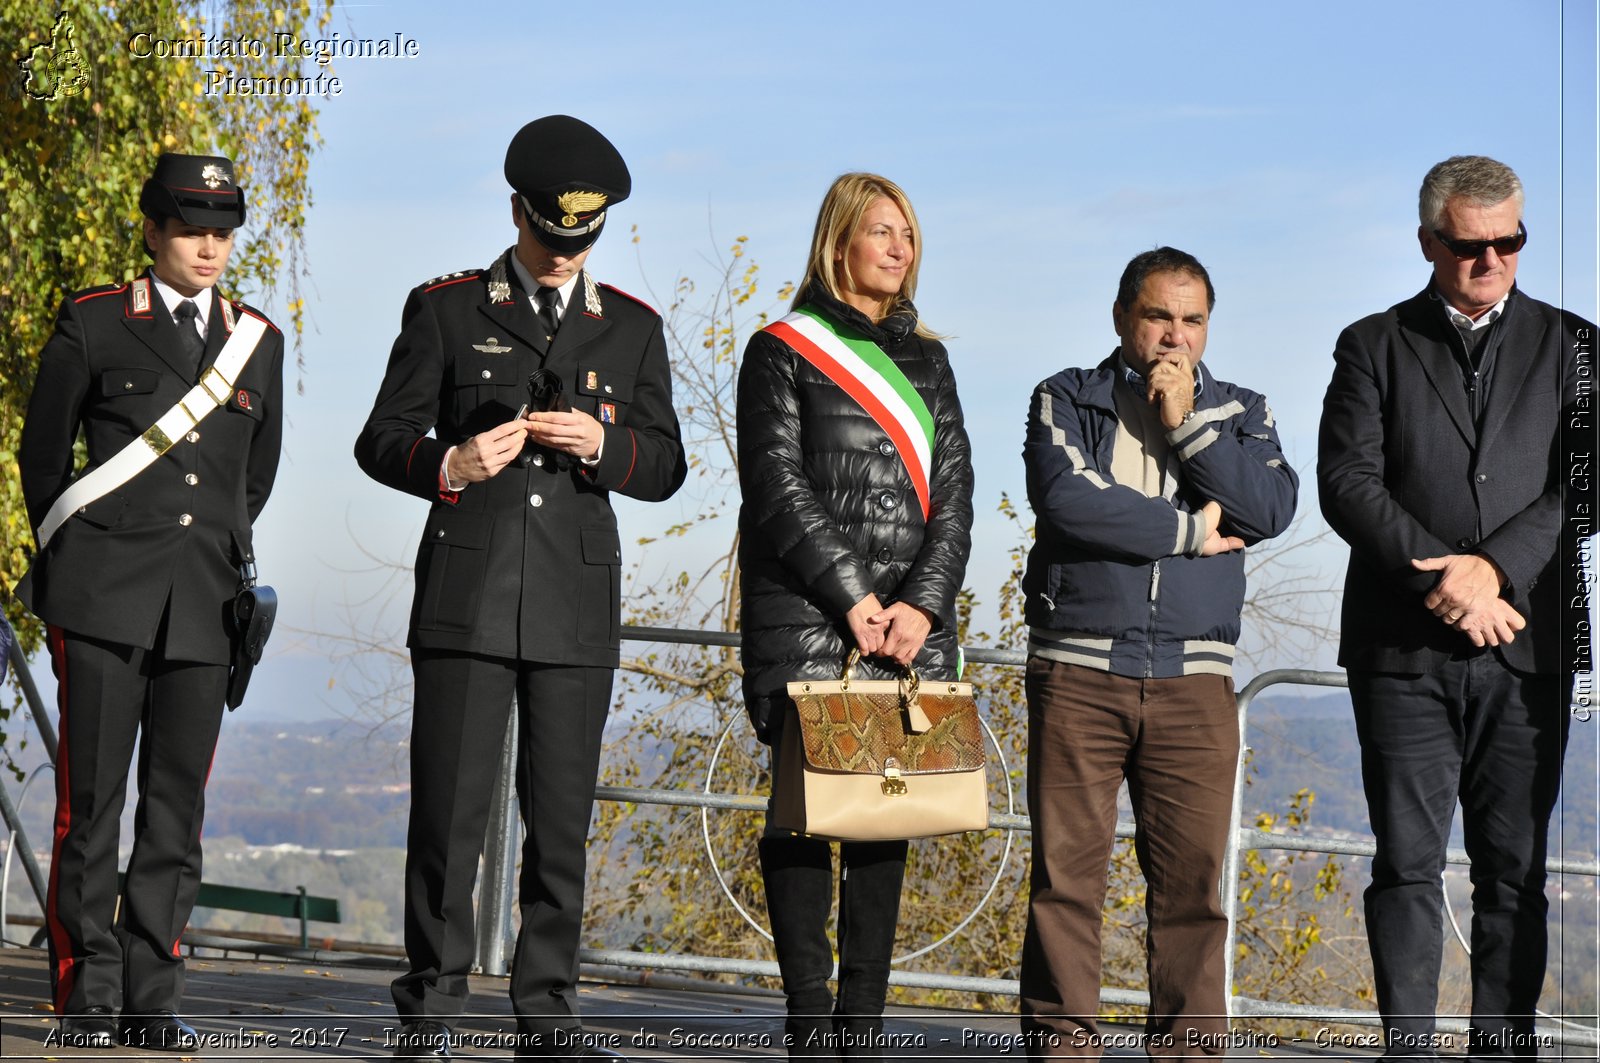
(492, 345)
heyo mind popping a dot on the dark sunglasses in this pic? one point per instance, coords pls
(544, 391)
(1503, 245)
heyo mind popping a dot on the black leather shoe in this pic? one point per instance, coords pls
(424, 1041)
(93, 1027)
(161, 1030)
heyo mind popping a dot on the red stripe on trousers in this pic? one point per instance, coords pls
(65, 973)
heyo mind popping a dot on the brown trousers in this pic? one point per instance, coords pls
(1176, 742)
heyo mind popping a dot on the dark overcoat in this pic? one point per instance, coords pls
(1404, 471)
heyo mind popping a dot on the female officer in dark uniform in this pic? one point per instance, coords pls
(136, 585)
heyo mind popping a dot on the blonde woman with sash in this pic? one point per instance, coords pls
(854, 533)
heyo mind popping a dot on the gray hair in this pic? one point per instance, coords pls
(1478, 179)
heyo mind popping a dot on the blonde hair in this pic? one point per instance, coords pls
(850, 197)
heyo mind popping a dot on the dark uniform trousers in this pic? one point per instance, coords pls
(109, 693)
(136, 589)
(463, 703)
(517, 584)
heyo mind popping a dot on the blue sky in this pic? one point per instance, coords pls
(1043, 145)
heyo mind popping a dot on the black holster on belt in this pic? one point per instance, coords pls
(253, 611)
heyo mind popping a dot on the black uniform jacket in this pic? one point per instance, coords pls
(180, 529)
(829, 514)
(526, 564)
(1404, 472)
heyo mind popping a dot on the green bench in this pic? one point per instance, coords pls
(300, 905)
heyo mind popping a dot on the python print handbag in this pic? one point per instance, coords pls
(874, 760)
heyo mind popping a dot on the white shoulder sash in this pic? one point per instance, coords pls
(215, 389)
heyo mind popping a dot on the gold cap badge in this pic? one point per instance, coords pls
(576, 202)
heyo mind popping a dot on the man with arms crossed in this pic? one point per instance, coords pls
(1148, 476)
(1437, 464)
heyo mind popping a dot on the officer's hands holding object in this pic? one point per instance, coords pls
(1171, 386)
(569, 431)
(1215, 542)
(865, 625)
(906, 628)
(486, 453)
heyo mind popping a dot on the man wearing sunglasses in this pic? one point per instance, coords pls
(1436, 463)
(517, 399)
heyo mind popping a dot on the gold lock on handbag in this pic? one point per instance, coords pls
(875, 759)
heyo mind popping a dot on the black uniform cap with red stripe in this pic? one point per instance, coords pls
(195, 189)
(566, 175)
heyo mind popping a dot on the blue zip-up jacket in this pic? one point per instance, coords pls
(1114, 580)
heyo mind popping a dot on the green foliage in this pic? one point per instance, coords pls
(71, 169)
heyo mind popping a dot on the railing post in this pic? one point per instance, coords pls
(30, 694)
(47, 735)
(1230, 864)
(20, 846)
(300, 906)
(1230, 861)
(497, 883)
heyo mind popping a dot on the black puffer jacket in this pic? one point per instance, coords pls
(830, 515)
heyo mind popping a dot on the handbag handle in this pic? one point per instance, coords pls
(909, 681)
(910, 687)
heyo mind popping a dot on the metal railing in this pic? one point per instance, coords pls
(498, 881)
(495, 930)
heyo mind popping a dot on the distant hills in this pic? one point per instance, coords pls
(339, 784)
(1311, 742)
(324, 805)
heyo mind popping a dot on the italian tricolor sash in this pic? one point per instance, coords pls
(870, 377)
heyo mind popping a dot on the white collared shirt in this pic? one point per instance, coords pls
(1467, 321)
(532, 286)
(171, 297)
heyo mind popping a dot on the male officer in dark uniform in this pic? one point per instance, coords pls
(136, 575)
(518, 569)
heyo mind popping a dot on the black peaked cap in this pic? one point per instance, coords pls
(196, 189)
(566, 174)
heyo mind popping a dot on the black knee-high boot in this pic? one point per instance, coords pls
(869, 909)
(798, 874)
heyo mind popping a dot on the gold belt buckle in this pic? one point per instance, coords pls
(216, 386)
